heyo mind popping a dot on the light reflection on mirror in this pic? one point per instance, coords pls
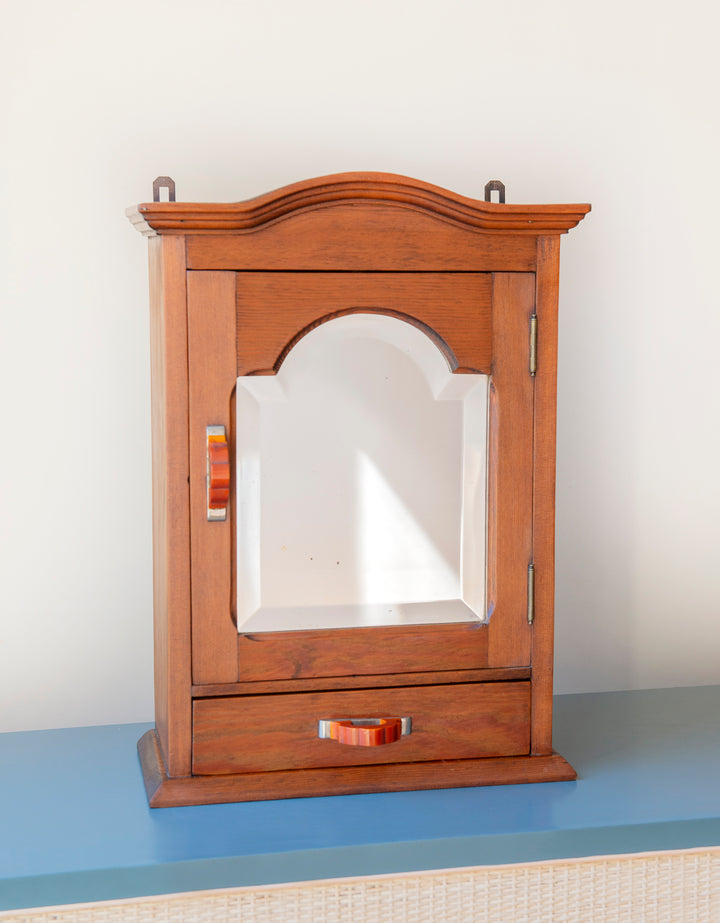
(361, 494)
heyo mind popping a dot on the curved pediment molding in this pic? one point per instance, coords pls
(354, 189)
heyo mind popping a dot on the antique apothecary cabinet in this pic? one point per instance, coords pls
(353, 389)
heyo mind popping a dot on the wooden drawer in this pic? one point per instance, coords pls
(275, 732)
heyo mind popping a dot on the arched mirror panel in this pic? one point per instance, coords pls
(361, 483)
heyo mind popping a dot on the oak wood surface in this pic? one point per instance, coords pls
(267, 733)
(171, 517)
(510, 470)
(211, 364)
(371, 239)
(275, 309)
(357, 651)
(344, 780)
(290, 303)
(544, 492)
(318, 683)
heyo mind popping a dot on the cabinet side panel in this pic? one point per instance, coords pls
(544, 496)
(213, 372)
(171, 538)
(510, 459)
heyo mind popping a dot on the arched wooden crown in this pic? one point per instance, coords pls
(355, 189)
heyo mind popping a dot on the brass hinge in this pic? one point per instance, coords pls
(531, 594)
(533, 343)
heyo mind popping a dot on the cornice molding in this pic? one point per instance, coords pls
(354, 189)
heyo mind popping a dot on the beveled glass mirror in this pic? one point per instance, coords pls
(361, 483)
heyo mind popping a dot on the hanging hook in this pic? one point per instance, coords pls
(495, 186)
(164, 182)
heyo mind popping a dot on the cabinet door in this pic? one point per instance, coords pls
(248, 323)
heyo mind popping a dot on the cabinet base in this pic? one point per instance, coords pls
(164, 792)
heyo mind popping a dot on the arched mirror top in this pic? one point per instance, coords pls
(408, 334)
(402, 335)
(361, 483)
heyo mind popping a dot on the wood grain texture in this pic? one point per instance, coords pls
(510, 483)
(371, 239)
(367, 189)
(344, 780)
(544, 492)
(275, 310)
(357, 651)
(272, 310)
(269, 733)
(386, 680)
(171, 515)
(339, 244)
(212, 374)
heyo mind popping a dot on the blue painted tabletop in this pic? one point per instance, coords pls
(75, 825)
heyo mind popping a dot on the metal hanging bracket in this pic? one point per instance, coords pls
(164, 182)
(495, 186)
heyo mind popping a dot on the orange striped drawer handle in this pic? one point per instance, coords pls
(364, 732)
(218, 473)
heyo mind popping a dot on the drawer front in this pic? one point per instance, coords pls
(274, 732)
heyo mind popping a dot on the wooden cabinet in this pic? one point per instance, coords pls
(237, 291)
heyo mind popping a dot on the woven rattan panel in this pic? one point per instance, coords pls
(668, 887)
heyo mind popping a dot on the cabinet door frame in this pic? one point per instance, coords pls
(216, 347)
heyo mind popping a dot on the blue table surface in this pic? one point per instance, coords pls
(75, 825)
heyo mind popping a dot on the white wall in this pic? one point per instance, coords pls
(566, 101)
